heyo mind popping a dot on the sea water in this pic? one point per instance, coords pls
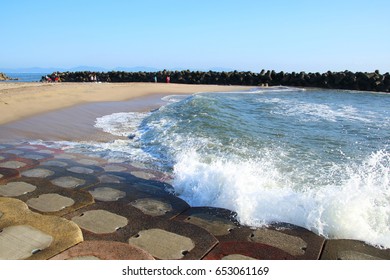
(319, 159)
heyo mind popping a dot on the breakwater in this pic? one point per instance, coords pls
(367, 81)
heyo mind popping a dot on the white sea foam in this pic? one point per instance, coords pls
(306, 111)
(174, 98)
(357, 208)
(121, 124)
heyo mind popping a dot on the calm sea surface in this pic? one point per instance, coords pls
(316, 158)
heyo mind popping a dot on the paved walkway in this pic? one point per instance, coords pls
(59, 205)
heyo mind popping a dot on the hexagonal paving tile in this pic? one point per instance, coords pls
(14, 189)
(163, 244)
(100, 221)
(22, 241)
(50, 202)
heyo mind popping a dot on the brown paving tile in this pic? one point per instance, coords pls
(64, 233)
(297, 241)
(243, 250)
(8, 174)
(345, 249)
(104, 250)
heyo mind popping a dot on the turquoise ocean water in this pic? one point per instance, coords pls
(319, 159)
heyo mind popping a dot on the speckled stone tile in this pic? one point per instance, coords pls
(296, 241)
(64, 233)
(345, 249)
(107, 194)
(246, 250)
(104, 250)
(237, 257)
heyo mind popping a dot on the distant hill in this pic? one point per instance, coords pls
(102, 69)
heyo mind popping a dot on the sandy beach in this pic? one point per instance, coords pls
(66, 111)
(20, 100)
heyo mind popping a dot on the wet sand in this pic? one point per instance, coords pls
(67, 111)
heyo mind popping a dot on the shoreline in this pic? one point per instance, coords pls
(21, 100)
(67, 111)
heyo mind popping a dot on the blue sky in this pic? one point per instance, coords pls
(299, 35)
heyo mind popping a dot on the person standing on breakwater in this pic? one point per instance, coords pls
(155, 79)
(168, 79)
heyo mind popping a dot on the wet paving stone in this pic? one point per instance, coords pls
(19, 163)
(163, 244)
(100, 221)
(148, 199)
(37, 173)
(55, 163)
(242, 250)
(293, 240)
(138, 221)
(104, 250)
(217, 221)
(44, 197)
(39, 236)
(344, 249)
(8, 174)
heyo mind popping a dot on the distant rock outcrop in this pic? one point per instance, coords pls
(4, 77)
(333, 80)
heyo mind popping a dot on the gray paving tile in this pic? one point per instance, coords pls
(100, 221)
(163, 244)
(50, 202)
(14, 189)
